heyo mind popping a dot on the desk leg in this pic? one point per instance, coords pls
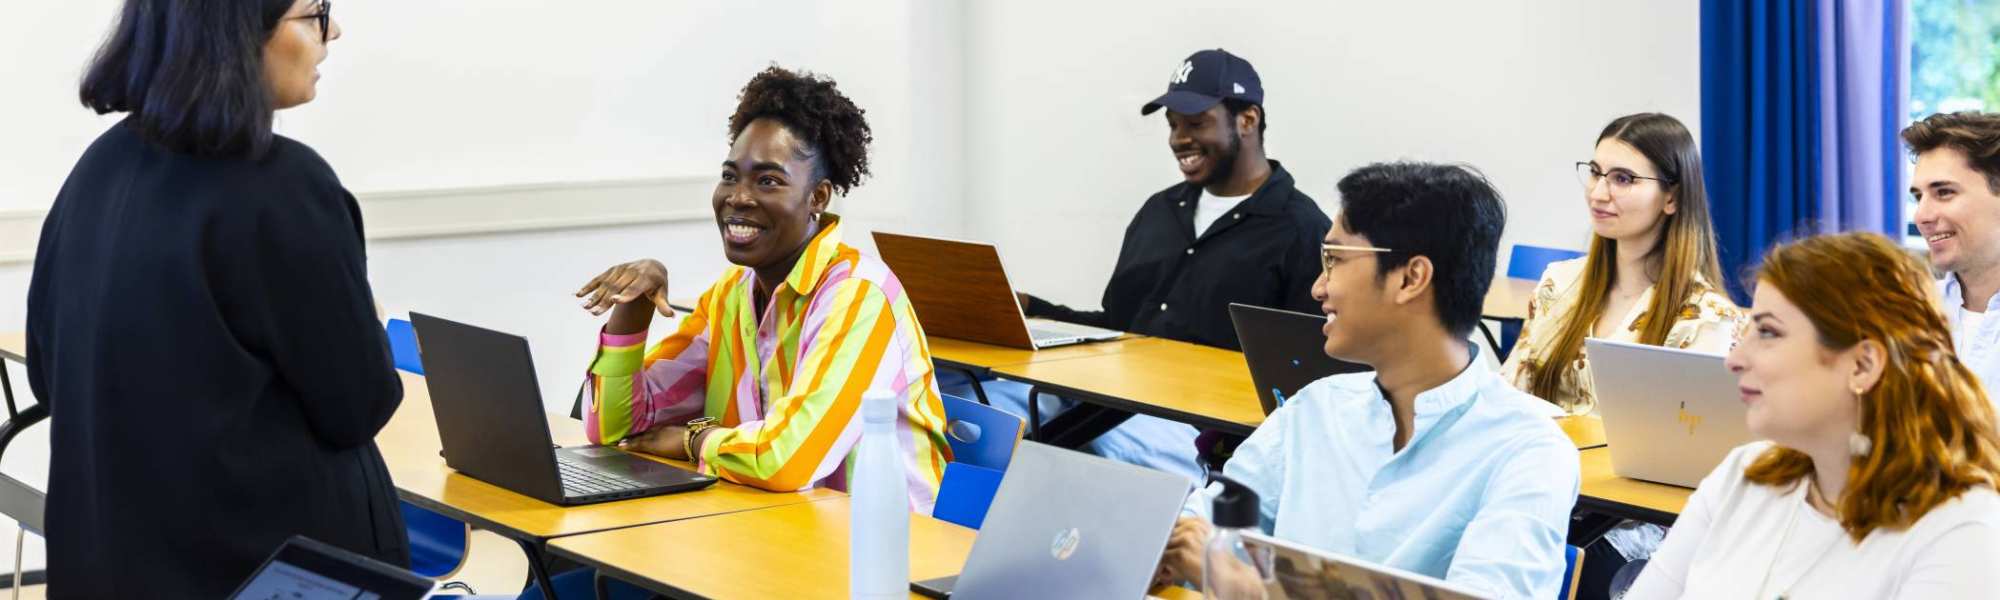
(1585, 528)
(537, 569)
(977, 390)
(1035, 413)
(1081, 424)
(7, 386)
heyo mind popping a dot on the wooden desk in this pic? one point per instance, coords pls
(14, 346)
(1508, 298)
(982, 358)
(1178, 381)
(1587, 431)
(1606, 493)
(797, 551)
(410, 446)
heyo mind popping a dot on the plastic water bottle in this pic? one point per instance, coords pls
(1228, 568)
(879, 508)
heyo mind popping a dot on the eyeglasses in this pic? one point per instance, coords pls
(1621, 180)
(324, 16)
(1326, 256)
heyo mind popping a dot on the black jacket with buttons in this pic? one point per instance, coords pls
(1170, 283)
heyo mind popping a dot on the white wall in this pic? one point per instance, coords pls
(1015, 122)
(474, 98)
(1519, 88)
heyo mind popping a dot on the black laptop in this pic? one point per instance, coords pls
(1286, 351)
(491, 420)
(306, 569)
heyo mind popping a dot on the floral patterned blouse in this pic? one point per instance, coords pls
(1708, 323)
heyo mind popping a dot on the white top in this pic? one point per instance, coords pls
(1727, 543)
(1210, 208)
(1974, 337)
(1480, 496)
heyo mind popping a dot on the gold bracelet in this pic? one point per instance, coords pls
(694, 429)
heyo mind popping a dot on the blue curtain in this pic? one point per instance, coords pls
(1801, 101)
(1760, 125)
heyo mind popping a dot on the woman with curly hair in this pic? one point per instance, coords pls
(1878, 477)
(762, 384)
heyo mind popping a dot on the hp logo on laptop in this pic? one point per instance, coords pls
(1065, 543)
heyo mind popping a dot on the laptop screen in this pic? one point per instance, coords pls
(303, 569)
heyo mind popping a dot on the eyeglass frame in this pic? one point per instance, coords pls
(325, 17)
(1597, 175)
(1326, 255)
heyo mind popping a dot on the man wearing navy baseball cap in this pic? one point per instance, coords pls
(1234, 230)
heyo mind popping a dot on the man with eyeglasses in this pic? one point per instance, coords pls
(1236, 229)
(1432, 463)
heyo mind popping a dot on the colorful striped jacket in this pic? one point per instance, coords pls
(787, 390)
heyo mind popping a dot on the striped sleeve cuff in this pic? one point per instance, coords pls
(619, 355)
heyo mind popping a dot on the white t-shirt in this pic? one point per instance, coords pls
(1210, 208)
(1726, 544)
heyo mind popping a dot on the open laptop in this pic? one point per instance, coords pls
(1669, 415)
(1285, 350)
(306, 569)
(494, 428)
(1302, 572)
(960, 292)
(1068, 525)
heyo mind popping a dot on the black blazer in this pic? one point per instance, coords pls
(203, 333)
(1173, 284)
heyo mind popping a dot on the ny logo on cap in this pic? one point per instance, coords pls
(1181, 76)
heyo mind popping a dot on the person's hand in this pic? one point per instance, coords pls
(642, 281)
(664, 441)
(1023, 298)
(1182, 559)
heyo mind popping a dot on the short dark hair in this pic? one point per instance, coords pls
(1977, 134)
(1449, 213)
(1236, 107)
(191, 72)
(813, 108)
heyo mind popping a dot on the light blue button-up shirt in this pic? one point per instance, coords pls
(1978, 349)
(1480, 496)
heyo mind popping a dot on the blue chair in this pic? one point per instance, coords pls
(980, 435)
(965, 494)
(1572, 571)
(1523, 262)
(982, 442)
(403, 346)
(437, 542)
(1528, 262)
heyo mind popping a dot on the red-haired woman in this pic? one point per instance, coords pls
(1878, 477)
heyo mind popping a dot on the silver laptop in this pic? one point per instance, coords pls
(1669, 415)
(1302, 572)
(961, 292)
(1070, 525)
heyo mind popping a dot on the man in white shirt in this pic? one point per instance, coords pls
(1957, 188)
(1431, 463)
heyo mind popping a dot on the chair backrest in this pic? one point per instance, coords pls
(403, 345)
(1528, 262)
(980, 435)
(965, 493)
(1572, 572)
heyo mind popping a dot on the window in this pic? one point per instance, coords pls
(1954, 64)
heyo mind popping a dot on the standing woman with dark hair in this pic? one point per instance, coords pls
(200, 322)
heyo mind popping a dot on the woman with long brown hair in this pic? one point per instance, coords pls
(1878, 477)
(1651, 275)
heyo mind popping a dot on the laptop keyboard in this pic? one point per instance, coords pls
(581, 480)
